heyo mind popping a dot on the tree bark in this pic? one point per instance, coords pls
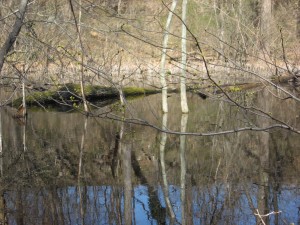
(184, 105)
(14, 33)
(163, 59)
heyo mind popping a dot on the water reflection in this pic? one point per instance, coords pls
(127, 162)
(162, 146)
(263, 153)
(82, 190)
(63, 168)
(184, 119)
(1, 145)
(2, 202)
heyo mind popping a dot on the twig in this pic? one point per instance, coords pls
(225, 132)
(265, 215)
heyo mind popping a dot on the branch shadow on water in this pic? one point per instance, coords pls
(158, 212)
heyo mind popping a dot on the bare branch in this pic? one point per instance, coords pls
(225, 132)
(14, 33)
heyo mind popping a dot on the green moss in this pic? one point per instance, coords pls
(101, 91)
(133, 91)
(129, 91)
(71, 93)
(72, 88)
(35, 98)
(234, 89)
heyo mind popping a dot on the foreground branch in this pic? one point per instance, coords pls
(14, 33)
(147, 124)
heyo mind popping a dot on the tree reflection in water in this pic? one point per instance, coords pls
(78, 171)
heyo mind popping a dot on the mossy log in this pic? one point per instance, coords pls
(71, 93)
(238, 87)
(284, 78)
(246, 86)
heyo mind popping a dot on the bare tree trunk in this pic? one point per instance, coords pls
(242, 46)
(266, 22)
(255, 7)
(120, 85)
(219, 14)
(163, 59)
(24, 109)
(78, 28)
(184, 105)
(82, 59)
(14, 33)
(119, 7)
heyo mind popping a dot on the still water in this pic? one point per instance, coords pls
(63, 168)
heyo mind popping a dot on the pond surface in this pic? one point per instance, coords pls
(64, 168)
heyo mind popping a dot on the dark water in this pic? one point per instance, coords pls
(63, 168)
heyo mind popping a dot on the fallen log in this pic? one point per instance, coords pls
(284, 78)
(71, 93)
(241, 86)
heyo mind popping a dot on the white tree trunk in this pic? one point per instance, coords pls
(24, 111)
(163, 59)
(119, 7)
(184, 105)
(78, 29)
(82, 59)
